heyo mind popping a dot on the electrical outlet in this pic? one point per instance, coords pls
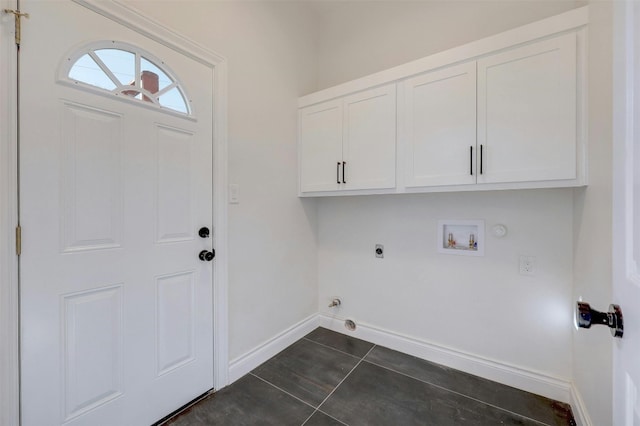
(379, 251)
(527, 265)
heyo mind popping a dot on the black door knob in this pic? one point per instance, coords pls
(206, 255)
(203, 232)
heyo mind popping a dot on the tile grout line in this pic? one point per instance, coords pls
(282, 390)
(343, 379)
(338, 350)
(309, 418)
(454, 392)
(338, 385)
(322, 412)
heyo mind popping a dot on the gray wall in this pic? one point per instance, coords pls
(357, 38)
(271, 52)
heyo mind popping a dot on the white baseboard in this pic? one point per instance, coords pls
(580, 413)
(246, 362)
(518, 377)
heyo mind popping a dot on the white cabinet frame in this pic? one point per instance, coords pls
(572, 23)
(527, 112)
(349, 143)
(439, 120)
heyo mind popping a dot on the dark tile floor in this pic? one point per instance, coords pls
(328, 378)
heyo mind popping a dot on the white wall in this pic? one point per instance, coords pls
(357, 38)
(278, 51)
(592, 349)
(481, 306)
(478, 305)
(270, 47)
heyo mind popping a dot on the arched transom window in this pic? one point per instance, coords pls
(125, 70)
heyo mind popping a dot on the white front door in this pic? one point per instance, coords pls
(626, 213)
(116, 306)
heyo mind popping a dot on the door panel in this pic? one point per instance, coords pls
(116, 306)
(527, 112)
(440, 123)
(173, 185)
(369, 142)
(93, 336)
(91, 178)
(320, 146)
(176, 318)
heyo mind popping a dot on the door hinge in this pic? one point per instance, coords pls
(18, 240)
(17, 15)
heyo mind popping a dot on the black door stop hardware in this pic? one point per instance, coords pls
(585, 317)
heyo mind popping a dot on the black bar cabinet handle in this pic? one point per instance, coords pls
(480, 159)
(344, 172)
(471, 160)
(338, 172)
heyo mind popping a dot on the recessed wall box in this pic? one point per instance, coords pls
(461, 237)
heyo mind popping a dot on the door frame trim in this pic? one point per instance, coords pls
(9, 285)
(9, 299)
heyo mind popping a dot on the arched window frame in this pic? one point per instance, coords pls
(152, 100)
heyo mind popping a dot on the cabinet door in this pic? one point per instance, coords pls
(527, 112)
(320, 146)
(369, 142)
(440, 127)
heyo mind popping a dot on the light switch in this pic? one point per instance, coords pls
(234, 193)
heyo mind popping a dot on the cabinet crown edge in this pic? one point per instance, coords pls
(567, 21)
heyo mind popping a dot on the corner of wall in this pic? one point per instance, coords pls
(246, 362)
(580, 413)
(592, 239)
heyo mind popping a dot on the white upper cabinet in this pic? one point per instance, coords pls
(504, 112)
(369, 142)
(320, 146)
(527, 112)
(439, 125)
(349, 143)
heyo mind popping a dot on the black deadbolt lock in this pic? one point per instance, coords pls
(204, 232)
(206, 255)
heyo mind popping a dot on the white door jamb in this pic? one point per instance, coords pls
(9, 300)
